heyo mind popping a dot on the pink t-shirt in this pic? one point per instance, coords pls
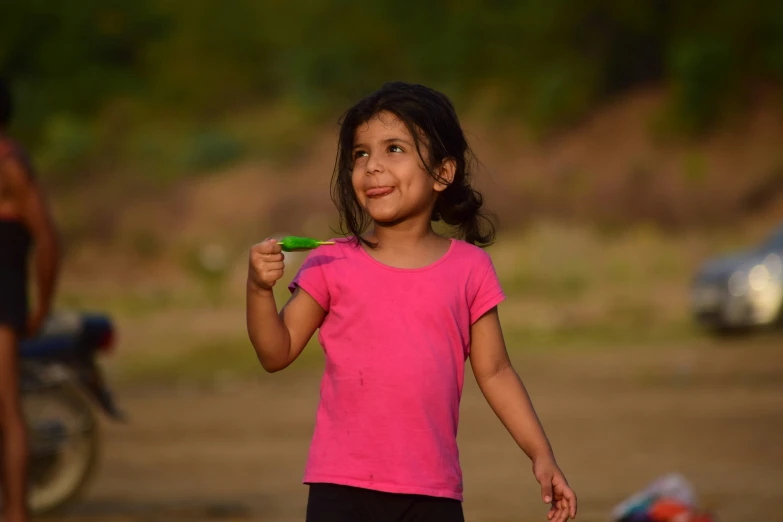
(395, 341)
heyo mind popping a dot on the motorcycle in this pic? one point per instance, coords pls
(60, 382)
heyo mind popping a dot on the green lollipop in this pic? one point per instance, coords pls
(299, 244)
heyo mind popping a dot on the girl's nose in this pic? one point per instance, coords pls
(374, 164)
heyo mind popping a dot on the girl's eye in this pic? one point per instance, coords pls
(358, 154)
(395, 148)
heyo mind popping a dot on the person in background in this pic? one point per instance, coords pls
(25, 223)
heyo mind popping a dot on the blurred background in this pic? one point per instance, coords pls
(631, 150)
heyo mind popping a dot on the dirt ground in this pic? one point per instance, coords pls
(618, 418)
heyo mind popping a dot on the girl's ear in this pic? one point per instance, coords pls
(445, 174)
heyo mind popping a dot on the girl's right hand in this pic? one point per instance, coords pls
(266, 264)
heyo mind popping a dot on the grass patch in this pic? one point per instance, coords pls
(210, 363)
(132, 304)
(566, 283)
(597, 336)
(557, 286)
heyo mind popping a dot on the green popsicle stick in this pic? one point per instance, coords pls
(299, 244)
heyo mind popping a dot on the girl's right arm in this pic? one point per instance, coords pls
(278, 338)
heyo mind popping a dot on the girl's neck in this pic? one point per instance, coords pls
(407, 245)
(401, 235)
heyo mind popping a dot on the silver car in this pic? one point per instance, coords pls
(742, 290)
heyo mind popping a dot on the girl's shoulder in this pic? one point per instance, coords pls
(471, 253)
(342, 250)
(343, 246)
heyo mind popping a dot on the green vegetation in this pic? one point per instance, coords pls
(170, 83)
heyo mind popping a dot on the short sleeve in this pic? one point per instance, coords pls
(311, 278)
(488, 292)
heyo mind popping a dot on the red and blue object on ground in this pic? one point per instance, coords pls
(666, 510)
(669, 499)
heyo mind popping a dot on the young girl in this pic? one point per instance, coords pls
(400, 308)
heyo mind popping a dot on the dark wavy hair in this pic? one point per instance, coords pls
(430, 118)
(6, 103)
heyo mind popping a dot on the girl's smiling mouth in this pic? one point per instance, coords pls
(378, 192)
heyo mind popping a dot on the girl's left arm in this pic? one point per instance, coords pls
(508, 398)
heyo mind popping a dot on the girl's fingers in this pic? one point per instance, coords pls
(570, 502)
(555, 512)
(272, 257)
(273, 275)
(552, 515)
(560, 511)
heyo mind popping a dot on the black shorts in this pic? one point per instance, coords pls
(335, 503)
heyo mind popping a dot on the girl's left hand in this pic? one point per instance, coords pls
(555, 489)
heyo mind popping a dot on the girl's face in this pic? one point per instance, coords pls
(388, 177)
